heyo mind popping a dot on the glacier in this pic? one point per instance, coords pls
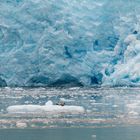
(76, 43)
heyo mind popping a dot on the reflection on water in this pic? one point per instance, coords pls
(104, 107)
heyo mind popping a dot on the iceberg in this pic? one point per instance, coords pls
(69, 43)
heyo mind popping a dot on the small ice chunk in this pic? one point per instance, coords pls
(132, 105)
(21, 125)
(66, 100)
(49, 103)
(133, 113)
(93, 136)
(115, 106)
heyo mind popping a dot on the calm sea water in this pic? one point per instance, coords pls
(111, 114)
(115, 133)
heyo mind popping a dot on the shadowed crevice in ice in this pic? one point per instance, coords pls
(2, 83)
(66, 81)
(38, 81)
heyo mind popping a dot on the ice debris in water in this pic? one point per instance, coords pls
(76, 43)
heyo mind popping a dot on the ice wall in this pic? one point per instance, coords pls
(69, 42)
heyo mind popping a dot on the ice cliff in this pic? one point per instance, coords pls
(69, 42)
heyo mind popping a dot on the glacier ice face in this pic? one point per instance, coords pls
(128, 72)
(78, 42)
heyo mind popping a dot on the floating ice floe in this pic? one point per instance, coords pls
(47, 108)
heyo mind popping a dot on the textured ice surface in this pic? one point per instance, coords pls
(78, 42)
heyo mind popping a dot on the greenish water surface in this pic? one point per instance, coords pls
(116, 133)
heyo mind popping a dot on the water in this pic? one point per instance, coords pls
(111, 113)
(116, 133)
